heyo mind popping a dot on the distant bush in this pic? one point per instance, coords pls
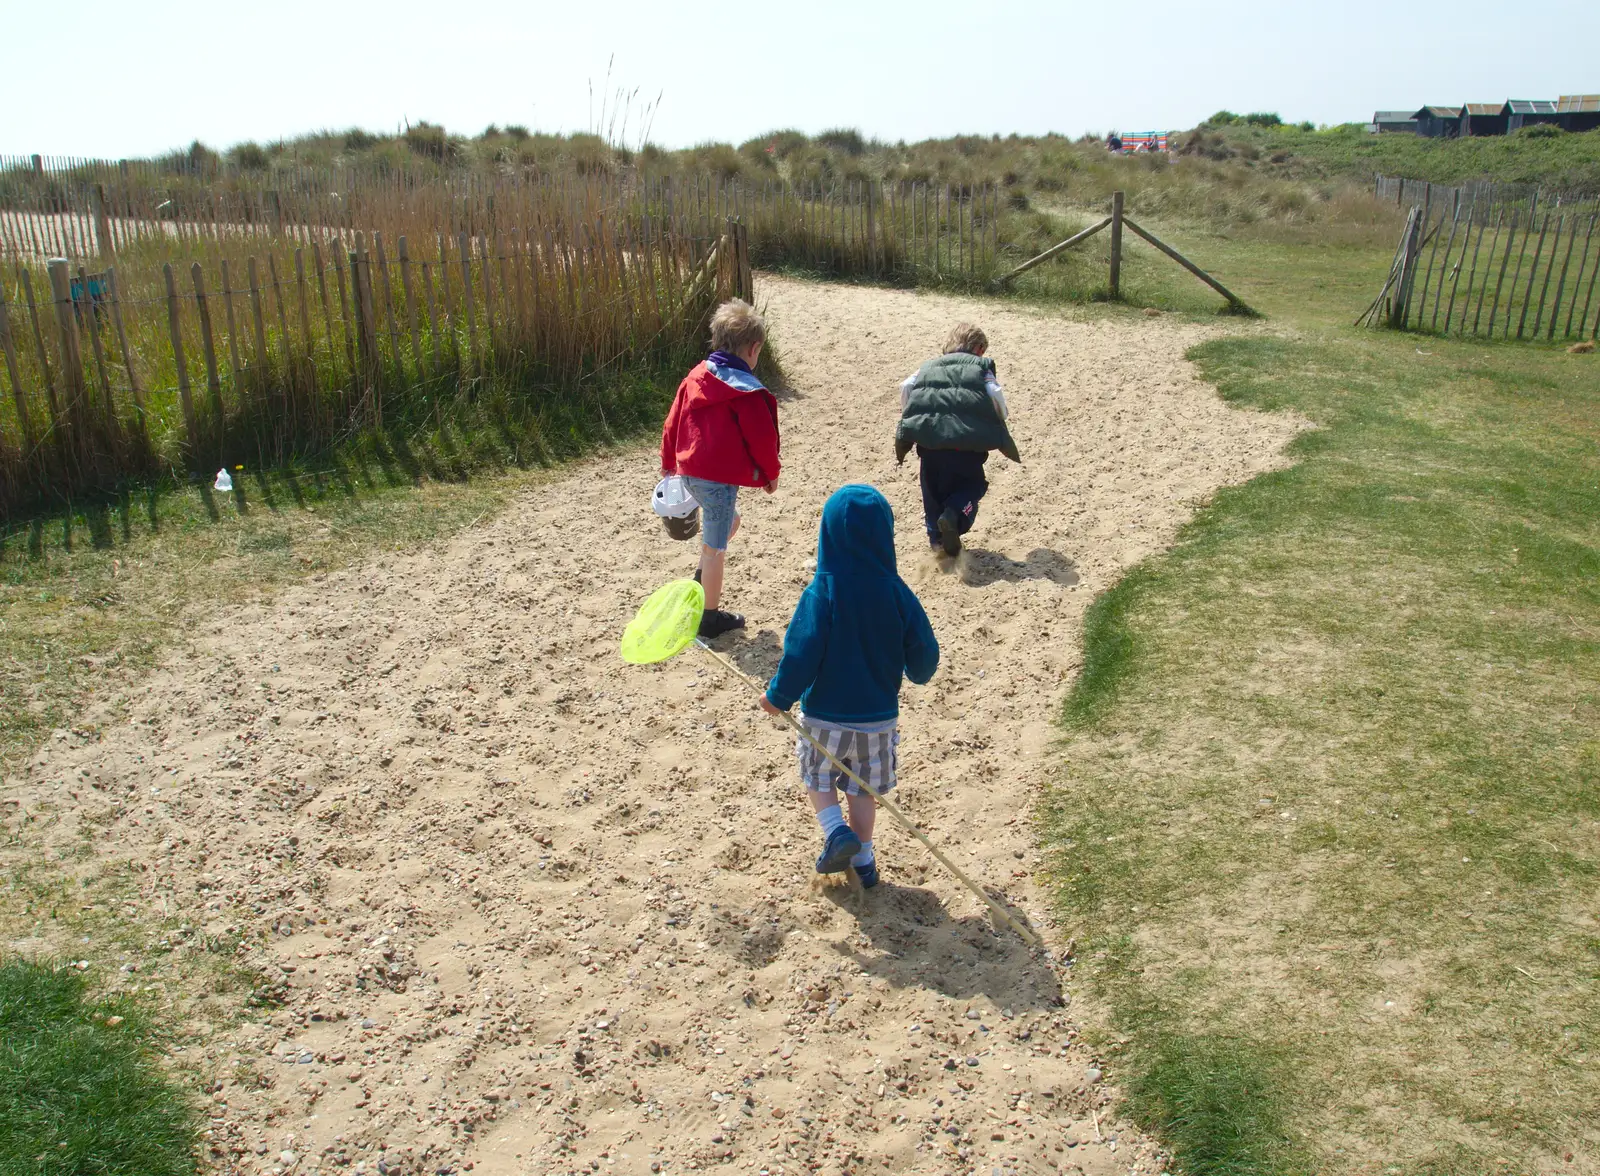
(1541, 131)
(490, 132)
(517, 131)
(1222, 118)
(718, 159)
(782, 143)
(1307, 125)
(355, 139)
(249, 157)
(1263, 118)
(589, 154)
(428, 141)
(843, 140)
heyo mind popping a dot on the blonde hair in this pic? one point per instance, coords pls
(735, 326)
(965, 337)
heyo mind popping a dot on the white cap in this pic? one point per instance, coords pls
(672, 499)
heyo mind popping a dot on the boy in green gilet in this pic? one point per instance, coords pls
(954, 412)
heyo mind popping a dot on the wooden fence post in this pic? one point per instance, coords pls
(102, 225)
(175, 327)
(872, 230)
(213, 381)
(274, 211)
(44, 366)
(1116, 246)
(127, 355)
(91, 312)
(8, 345)
(411, 304)
(71, 356)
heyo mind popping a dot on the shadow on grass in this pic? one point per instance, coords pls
(1216, 1102)
(484, 434)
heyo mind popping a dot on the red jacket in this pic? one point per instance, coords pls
(720, 432)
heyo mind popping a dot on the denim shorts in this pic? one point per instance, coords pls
(718, 510)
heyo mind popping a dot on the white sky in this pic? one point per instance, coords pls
(122, 78)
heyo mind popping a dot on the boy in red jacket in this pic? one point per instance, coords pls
(721, 434)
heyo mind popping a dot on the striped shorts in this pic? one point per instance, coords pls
(873, 756)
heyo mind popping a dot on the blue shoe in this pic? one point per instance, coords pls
(841, 846)
(868, 874)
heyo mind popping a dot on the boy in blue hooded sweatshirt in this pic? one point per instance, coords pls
(856, 631)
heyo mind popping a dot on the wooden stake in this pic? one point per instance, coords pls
(1438, 293)
(464, 244)
(234, 366)
(433, 323)
(44, 365)
(1527, 296)
(1577, 284)
(1116, 248)
(344, 311)
(127, 356)
(1483, 291)
(388, 297)
(8, 345)
(262, 360)
(322, 296)
(213, 382)
(411, 303)
(1076, 239)
(1511, 239)
(91, 313)
(1232, 298)
(485, 263)
(102, 225)
(174, 326)
(306, 339)
(71, 355)
(1555, 311)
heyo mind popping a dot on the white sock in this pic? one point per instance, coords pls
(830, 818)
(864, 858)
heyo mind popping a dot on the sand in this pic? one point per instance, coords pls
(530, 910)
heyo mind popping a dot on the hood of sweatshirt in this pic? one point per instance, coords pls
(728, 381)
(857, 535)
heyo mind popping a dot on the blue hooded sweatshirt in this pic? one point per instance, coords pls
(857, 627)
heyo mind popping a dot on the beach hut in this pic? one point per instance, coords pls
(1525, 112)
(1393, 122)
(1483, 118)
(1579, 112)
(1438, 122)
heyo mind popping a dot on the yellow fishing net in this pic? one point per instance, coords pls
(665, 624)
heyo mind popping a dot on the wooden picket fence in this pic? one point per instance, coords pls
(259, 348)
(153, 323)
(910, 232)
(1507, 265)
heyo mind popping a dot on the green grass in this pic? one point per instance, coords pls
(1348, 152)
(82, 1088)
(1329, 801)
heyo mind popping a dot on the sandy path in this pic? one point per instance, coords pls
(540, 912)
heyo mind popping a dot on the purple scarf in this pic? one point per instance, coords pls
(728, 359)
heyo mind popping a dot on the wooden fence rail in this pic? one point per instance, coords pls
(1496, 270)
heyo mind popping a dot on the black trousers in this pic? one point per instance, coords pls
(952, 479)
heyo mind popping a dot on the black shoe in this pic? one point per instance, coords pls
(714, 623)
(697, 575)
(950, 531)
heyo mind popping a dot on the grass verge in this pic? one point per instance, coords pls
(81, 1085)
(1327, 825)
